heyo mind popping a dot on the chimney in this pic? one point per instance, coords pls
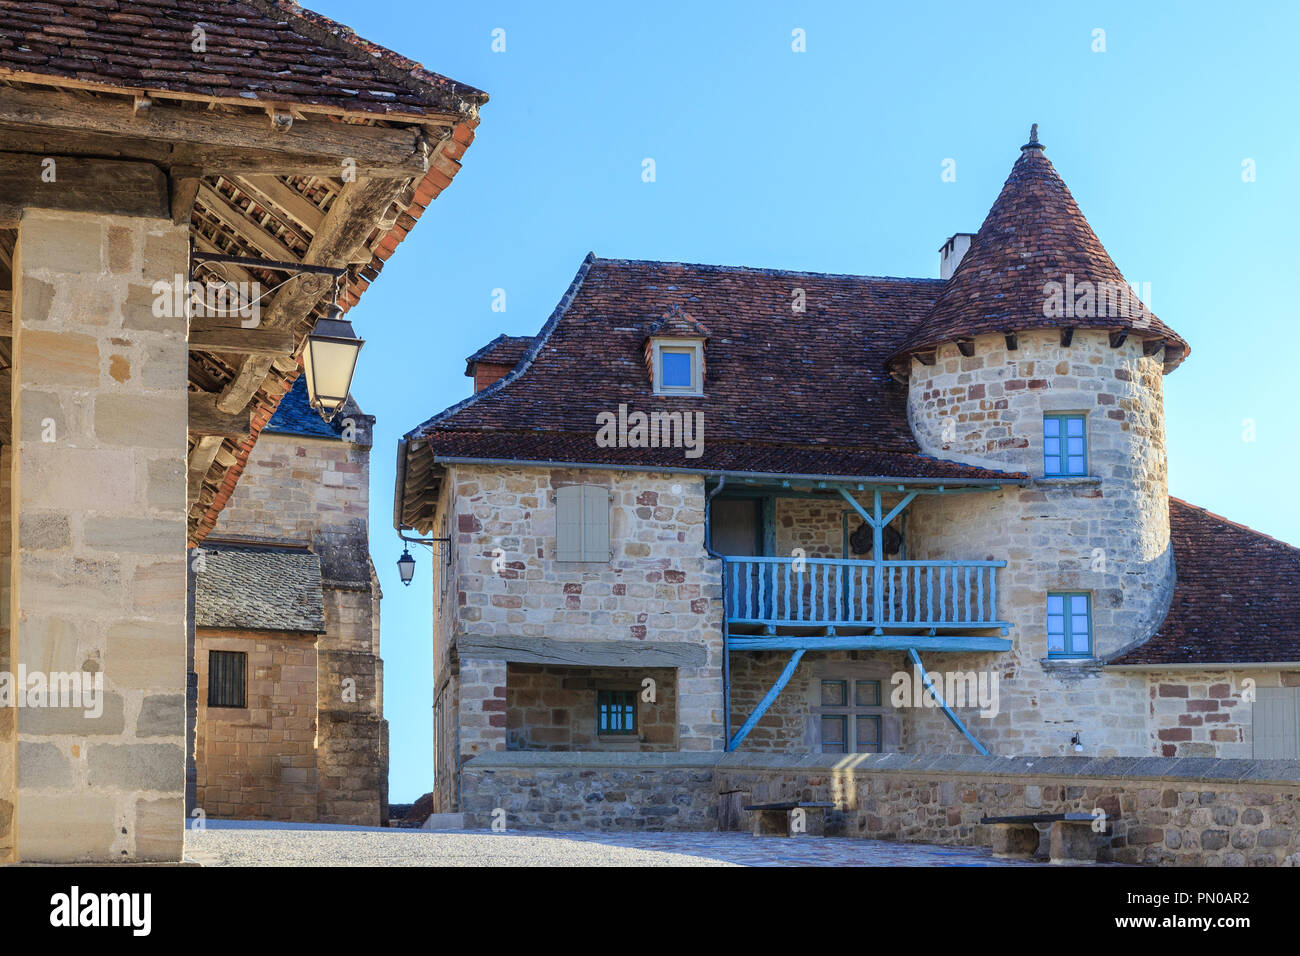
(950, 254)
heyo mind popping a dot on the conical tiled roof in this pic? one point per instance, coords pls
(1034, 237)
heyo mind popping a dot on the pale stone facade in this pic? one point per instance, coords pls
(96, 578)
(1106, 534)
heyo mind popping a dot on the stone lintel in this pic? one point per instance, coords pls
(541, 650)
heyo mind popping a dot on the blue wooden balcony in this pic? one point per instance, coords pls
(780, 602)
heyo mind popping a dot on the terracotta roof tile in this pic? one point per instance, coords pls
(785, 391)
(256, 50)
(1236, 599)
(1035, 234)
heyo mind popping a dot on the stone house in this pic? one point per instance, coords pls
(286, 677)
(730, 509)
(153, 157)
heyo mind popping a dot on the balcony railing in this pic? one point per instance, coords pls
(881, 595)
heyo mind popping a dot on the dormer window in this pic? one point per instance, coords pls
(678, 366)
(674, 353)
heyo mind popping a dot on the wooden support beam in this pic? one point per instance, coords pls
(111, 187)
(116, 116)
(1067, 336)
(1013, 342)
(1117, 338)
(926, 356)
(285, 199)
(235, 340)
(966, 347)
(239, 223)
(206, 419)
(928, 683)
(348, 224)
(767, 700)
(6, 313)
(201, 458)
(1152, 346)
(184, 181)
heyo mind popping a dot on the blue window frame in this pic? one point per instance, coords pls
(615, 712)
(1069, 624)
(1065, 444)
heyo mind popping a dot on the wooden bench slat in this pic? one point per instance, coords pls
(1041, 818)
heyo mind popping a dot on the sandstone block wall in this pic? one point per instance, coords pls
(659, 585)
(315, 491)
(259, 762)
(97, 580)
(554, 708)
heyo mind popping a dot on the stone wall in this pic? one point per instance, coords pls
(659, 585)
(259, 762)
(1181, 812)
(97, 580)
(1207, 713)
(1107, 534)
(315, 491)
(554, 708)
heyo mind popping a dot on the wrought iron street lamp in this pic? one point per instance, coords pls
(406, 566)
(330, 359)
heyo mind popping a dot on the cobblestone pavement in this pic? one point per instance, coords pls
(231, 843)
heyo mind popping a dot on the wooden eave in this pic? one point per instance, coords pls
(248, 187)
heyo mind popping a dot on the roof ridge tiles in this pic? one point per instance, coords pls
(762, 270)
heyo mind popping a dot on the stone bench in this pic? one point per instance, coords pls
(1072, 839)
(779, 819)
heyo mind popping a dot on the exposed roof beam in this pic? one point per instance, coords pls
(239, 223)
(241, 341)
(106, 186)
(351, 219)
(285, 199)
(117, 116)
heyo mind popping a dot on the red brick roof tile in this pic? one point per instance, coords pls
(1236, 599)
(256, 51)
(1035, 234)
(787, 392)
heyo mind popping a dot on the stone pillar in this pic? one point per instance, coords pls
(98, 571)
(8, 715)
(482, 707)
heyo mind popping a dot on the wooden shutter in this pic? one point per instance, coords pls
(568, 523)
(595, 523)
(1276, 729)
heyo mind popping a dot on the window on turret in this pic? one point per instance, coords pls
(1069, 624)
(1065, 444)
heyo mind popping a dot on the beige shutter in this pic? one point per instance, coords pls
(1276, 729)
(595, 523)
(568, 523)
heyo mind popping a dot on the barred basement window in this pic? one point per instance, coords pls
(616, 712)
(227, 672)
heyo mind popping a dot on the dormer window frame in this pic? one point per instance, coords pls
(677, 345)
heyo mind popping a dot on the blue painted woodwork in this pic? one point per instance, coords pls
(767, 700)
(928, 684)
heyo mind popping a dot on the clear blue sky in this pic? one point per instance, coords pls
(830, 161)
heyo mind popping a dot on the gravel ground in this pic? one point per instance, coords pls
(231, 843)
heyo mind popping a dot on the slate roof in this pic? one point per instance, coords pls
(1033, 235)
(785, 392)
(256, 50)
(259, 588)
(295, 416)
(1236, 598)
(502, 350)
